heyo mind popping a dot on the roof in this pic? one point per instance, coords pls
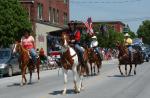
(110, 22)
(101, 22)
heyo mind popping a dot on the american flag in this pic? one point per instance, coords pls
(89, 27)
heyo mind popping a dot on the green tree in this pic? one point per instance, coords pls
(13, 18)
(144, 31)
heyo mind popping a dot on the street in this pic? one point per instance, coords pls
(109, 84)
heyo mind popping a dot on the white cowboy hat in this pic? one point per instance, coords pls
(126, 34)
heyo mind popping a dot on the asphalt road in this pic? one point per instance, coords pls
(109, 84)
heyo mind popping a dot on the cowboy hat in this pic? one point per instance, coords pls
(126, 34)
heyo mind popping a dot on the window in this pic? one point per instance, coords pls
(40, 11)
(57, 16)
(54, 15)
(50, 14)
(65, 18)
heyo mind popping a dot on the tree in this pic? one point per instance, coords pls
(144, 31)
(13, 18)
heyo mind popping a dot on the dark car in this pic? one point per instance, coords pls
(145, 52)
(9, 64)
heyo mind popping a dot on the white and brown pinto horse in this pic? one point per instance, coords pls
(69, 61)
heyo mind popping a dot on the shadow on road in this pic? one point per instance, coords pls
(120, 76)
(18, 84)
(59, 92)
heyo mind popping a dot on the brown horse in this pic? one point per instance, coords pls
(93, 59)
(124, 58)
(26, 62)
(69, 61)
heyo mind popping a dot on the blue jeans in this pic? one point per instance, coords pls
(80, 51)
(130, 48)
(98, 51)
(130, 52)
(33, 54)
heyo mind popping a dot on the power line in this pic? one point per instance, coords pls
(132, 19)
(105, 2)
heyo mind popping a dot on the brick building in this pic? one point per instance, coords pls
(117, 26)
(46, 16)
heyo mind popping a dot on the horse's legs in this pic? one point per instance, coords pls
(91, 69)
(23, 74)
(126, 69)
(30, 70)
(130, 69)
(135, 69)
(87, 69)
(81, 78)
(94, 69)
(74, 69)
(65, 80)
(120, 69)
(38, 68)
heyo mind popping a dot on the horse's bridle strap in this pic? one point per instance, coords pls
(73, 55)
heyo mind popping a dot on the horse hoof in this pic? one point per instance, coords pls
(134, 73)
(121, 73)
(64, 92)
(77, 91)
(21, 84)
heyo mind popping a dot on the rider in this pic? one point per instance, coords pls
(128, 44)
(42, 55)
(28, 43)
(94, 44)
(76, 38)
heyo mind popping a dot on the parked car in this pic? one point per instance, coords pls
(9, 63)
(145, 52)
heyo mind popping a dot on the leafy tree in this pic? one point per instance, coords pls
(144, 31)
(105, 39)
(13, 18)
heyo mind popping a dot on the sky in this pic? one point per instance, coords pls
(131, 12)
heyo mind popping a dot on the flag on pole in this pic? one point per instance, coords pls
(89, 27)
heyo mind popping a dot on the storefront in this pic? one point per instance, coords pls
(42, 35)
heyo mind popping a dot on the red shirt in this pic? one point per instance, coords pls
(77, 35)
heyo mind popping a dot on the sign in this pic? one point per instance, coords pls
(41, 38)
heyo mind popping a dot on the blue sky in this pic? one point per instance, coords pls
(131, 12)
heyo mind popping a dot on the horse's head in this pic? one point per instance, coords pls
(65, 39)
(17, 47)
(121, 47)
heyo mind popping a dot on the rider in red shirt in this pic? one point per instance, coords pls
(76, 38)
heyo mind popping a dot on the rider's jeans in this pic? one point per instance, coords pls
(130, 48)
(33, 54)
(78, 47)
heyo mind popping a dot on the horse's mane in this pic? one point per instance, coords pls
(122, 49)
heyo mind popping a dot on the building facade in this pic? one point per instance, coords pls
(116, 26)
(46, 16)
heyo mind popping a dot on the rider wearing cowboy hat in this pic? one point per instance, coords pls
(73, 30)
(128, 43)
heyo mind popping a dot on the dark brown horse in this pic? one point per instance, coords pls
(69, 61)
(94, 60)
(26, 62)
(124, 58)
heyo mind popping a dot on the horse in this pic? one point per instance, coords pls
(69, 61)
(26, 62)
(93, 59)
(124, 58)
